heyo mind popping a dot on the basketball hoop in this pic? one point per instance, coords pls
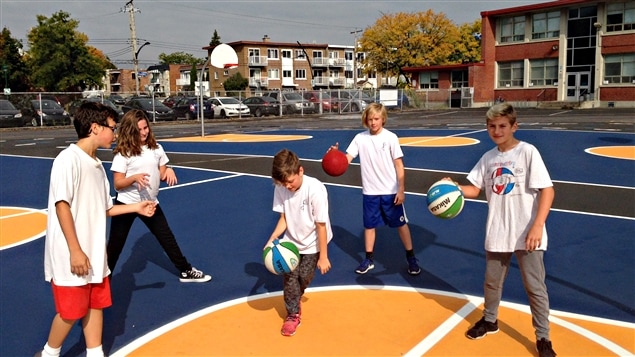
(224, 56)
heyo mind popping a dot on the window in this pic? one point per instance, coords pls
(510, 74)
(300, 74)
(429, 80)
(544, 72)
(620, 16)
(215, 75)
(619, 69)
(225, 73)
(286, 53)
(459, 79)
(512, 29)
(273, 73)
(272, 53)
(546, 25)
(286, 74)
(348, 55)
(299, 54)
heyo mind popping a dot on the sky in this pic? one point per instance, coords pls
(188, 25)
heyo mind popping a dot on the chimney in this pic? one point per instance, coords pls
(266, 38)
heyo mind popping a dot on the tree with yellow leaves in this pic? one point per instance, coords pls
(412, 40)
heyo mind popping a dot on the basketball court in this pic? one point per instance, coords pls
(221, 214)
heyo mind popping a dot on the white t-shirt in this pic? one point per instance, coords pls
(81, 181)
(148, 161)
(377, 154)
(511, 181)
(302, 210)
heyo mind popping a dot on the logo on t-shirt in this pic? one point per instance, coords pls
(503, 181)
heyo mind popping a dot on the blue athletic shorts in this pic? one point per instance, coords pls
(380, 210)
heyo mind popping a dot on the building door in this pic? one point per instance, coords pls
(578, 86)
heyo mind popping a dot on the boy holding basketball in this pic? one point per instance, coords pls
(75, 248)
(383, 184)
(519, 194)
(302, 202)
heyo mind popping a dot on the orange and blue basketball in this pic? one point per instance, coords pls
(335, 162)
(281, 257)
(445, 199)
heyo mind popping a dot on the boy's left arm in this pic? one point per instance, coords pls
(534, 237)
(323, 261)
(401, 181)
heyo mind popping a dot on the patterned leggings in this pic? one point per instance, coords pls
(297, 281)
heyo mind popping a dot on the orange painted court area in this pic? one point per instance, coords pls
(19, 224)
(240, 138)
(374, 322)
(618, 152)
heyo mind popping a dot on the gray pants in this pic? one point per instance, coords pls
(297, 281)
(532, 270)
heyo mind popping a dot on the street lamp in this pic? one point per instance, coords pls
(5, 69)
(136, 67)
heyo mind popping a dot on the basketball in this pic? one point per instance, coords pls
(281, 257)
(445, 199)
(335, 162)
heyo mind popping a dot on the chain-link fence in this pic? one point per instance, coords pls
(37, 108)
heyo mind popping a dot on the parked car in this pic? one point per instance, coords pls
(329, 104)
(169, 101)
(46, 111)
(117, 99)
(351, 101)
(72, 106)
(188, 108)
(10, 116)
(292, 102)
(158, 111)
(225, 107)
(259, 106)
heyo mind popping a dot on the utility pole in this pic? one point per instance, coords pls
(130, 9)
(354, 33)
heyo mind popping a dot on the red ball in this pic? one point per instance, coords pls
(335, 162)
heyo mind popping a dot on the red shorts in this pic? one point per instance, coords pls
(73, 302)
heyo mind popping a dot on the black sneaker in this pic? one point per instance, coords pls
(194, 276)
(413, 266)
(544, 348)
(482, 328)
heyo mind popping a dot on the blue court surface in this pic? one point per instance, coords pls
(222, 218)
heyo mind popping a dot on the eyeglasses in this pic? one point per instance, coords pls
(113, 128)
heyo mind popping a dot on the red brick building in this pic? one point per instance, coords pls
(567, 51)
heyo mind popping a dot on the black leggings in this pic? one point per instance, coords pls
(157, 224)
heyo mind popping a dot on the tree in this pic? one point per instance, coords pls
(193, 76)
(12, 64)
(58, 57)
(215, 41)
(468, 47)
(179, 58)
(235, 83)
(406, 40)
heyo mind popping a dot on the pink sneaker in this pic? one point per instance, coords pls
(290, 324)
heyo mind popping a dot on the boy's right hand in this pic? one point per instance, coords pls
(80, 264)
(334, 147)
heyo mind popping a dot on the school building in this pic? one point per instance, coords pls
(567, 53)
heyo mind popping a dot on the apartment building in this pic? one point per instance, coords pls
(270, 65)
(568, 51)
